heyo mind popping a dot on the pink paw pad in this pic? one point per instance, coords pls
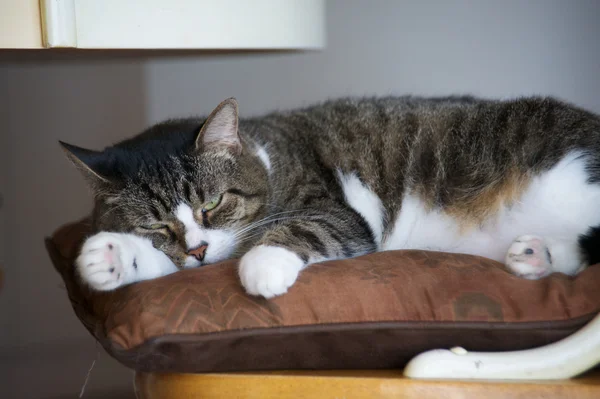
(109, 256)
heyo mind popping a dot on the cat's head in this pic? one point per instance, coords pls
(188, 185)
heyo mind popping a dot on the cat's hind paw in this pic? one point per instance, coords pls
(269, 271)
(106, 261)
(529, 257)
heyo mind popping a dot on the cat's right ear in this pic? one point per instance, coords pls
(88, 162)
(220, 130)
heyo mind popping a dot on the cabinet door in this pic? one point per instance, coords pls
(183, 24)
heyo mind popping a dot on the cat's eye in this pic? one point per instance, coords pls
(212, 204)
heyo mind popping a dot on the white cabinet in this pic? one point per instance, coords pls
(20, 25)
(163, 24)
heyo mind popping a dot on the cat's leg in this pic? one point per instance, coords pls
(111, 260)
(534, 257)
(273, 265)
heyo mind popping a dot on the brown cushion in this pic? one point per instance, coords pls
(376, 311)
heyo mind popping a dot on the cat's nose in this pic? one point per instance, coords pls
(199, 251)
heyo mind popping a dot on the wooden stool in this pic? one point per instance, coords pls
(368, 384)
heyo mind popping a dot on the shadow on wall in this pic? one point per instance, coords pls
(46, 97)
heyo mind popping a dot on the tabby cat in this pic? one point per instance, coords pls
(516, 181)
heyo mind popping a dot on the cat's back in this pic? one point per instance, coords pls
(450, 152)
(346, 112)
(439, 114)
(427, 131)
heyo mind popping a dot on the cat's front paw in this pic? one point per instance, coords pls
(269, 271)
(106, 261)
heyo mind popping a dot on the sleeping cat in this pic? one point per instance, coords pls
(516, 181)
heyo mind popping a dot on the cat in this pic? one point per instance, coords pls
(517, 181)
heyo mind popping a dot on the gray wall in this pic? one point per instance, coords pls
(488, 48)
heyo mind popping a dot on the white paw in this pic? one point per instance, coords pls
(269, 271)
(106, 261)
(529, 257)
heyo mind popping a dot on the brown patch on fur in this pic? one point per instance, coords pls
(475, 208)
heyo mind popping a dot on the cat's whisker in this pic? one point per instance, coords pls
(267, 219)
(248, 238)
(265, 222)
(112, 209)
(271, 219)
(252, 234)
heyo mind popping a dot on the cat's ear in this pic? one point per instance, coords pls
(88, 162)
(220, 131)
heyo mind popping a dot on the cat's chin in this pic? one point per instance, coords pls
(191, 262)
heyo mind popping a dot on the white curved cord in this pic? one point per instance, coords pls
(564, 359)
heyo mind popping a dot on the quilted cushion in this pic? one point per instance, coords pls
(376, 311)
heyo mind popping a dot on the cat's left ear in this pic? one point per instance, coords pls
(220, 131)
